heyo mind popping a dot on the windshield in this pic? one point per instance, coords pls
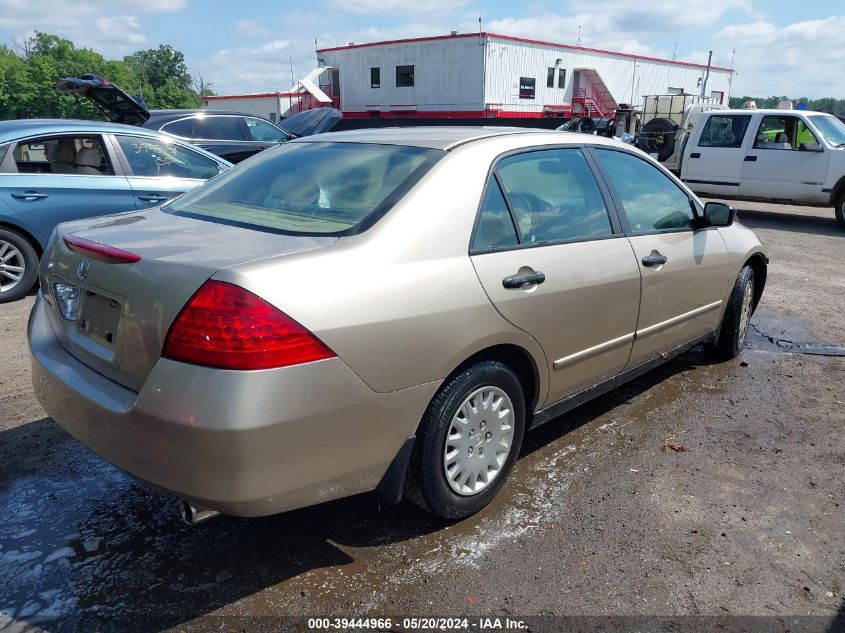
(830, 127)
(319, 188)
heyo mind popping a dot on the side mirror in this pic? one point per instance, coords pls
(718, 214)
(810, 146)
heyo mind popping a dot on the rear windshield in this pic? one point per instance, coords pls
(315, 188)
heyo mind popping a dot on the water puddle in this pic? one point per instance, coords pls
(759, 340)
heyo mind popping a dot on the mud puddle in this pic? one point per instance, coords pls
(759, 340)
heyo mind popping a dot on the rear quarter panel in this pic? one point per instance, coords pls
(13, 220)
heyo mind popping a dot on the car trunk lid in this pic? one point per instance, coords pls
(117, 105)
(135, 272)
(311, 122)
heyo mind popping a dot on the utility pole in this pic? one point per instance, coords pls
(731, 76)
(706, 74)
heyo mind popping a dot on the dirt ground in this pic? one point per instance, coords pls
(596, 519)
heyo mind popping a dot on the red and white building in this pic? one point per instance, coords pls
(270, 105)
(482, 75)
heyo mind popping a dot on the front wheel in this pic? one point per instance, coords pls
(468, 441)
(840, 211)
(18, 266)
(737, 317)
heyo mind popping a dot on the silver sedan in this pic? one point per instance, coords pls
(381, 310)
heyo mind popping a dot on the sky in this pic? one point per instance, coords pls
(782, 47)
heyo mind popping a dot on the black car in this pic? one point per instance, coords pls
(234, 136)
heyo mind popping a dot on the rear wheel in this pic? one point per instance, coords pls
(737, 317)
(18, 266)
(840, 211)
(468, 441)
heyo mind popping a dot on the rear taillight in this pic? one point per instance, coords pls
(227, 327)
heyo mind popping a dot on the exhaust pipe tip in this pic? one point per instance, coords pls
(193, 515)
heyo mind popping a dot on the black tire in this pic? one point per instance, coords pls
(658, 136)
(426, 484)
(840, 211)
(20, 254)
(583, 124)
(732, 334)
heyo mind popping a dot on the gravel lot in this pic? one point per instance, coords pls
(596, 519)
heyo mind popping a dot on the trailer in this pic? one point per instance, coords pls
(666, 121)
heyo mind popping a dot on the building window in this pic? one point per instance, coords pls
(561, 78)
(550, 78)
(526, 87)
(375, 77)
(675, 91)
(404, 76)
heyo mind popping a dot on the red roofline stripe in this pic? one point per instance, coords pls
(258, 95)
(524, 40)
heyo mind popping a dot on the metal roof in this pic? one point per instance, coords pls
(511, 38)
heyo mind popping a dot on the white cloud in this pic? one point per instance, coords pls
(596, 32)
(266, 66)
(658, 16)
(799, 59)
(251, 28)
(57, 14)
(394, 7)
(104, 27)
(121, 29)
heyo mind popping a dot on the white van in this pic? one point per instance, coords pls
(791, 156)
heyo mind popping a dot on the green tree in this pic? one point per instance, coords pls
(161, 78)
(825, 104)
(28, 77)
(15, 85)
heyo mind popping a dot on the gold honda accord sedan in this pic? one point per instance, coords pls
(383, 310)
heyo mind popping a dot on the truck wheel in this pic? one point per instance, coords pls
(18, 266)
(658, 136)
(840, 211)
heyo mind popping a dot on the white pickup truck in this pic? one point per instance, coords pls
(792, 156)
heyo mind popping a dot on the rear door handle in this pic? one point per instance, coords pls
(154, 198)
(695, 155)
(518, 281)
(29, 196)
(751, 159)
(655, 260)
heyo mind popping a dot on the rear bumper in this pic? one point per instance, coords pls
(244, 443)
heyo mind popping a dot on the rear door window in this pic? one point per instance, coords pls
(554, 196)
(723, 130)
(153, 157)
(495, 227)
(4, 147)
(68, 155)
(219, 128)
(182, 127)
